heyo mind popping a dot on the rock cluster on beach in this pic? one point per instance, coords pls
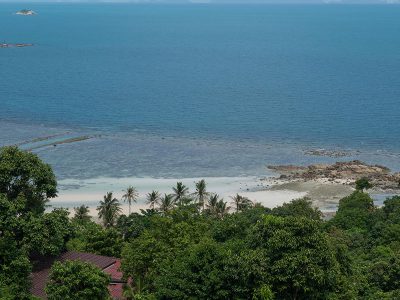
(345, 172)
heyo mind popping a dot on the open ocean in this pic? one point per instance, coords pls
(199, 90)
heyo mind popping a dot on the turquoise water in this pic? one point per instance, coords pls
(200, 90)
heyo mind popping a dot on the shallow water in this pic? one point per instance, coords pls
(200, 90)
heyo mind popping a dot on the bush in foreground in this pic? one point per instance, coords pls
(76, 280)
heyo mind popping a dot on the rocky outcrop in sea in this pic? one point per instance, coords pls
(348, 172)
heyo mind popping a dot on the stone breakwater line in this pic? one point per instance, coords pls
(20, 45)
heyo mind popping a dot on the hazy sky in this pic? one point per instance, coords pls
(218, 1)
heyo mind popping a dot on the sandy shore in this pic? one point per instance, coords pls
(324, 195)
(73, 193)
(269, 191)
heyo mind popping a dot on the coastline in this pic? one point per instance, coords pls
(269, 191)
(73, 193)
(157, 162)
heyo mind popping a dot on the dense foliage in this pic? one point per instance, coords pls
(76, 280)
(288, 252)
(187, 245)
(23, 173)
(26, 231)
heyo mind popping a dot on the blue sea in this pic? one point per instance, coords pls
(199, 89)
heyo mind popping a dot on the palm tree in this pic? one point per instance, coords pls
(153, 198)
(241, 202)
(246, 203)
(109, 209)
(212, 203)
(81, 214)
(131, 195)
(201, 193)
(167, 203)
(222, 209)
(180, 192)
(217, 207)
(236, 200)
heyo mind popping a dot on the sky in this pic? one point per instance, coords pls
(218, 1)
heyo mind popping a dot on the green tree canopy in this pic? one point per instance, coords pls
(164, 237)
(109, 210)
(93, 238)
(22, 235)
(47, 234)
(14, 263)
(298, 208)
(81, 214)
(26, 185)
(391, 209)
(133, 225)
(208, 270)
(24, 173)
(300, 261)
(76, 280)
(354, 211)
(363, 184)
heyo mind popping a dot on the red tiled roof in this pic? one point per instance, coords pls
(40, 275)
(114, 270)
(109, 265)
(116, 290)
(100, 261)
(116, 286)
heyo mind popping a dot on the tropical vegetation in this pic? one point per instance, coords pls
(194, 246)
(76, 280)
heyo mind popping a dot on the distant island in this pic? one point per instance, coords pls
(26, 12)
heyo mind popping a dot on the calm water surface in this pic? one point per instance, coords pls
(200, 90)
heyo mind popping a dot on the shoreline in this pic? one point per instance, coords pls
(270, 191)
(90, 192)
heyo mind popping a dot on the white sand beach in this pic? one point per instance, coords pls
(73, 193)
